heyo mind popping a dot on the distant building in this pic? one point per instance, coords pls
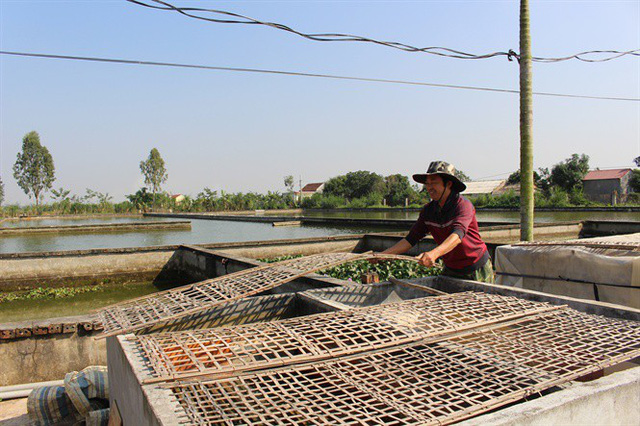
(515, 187)
(178, 198)
(607, 186)
(311, 188)
(483, 187)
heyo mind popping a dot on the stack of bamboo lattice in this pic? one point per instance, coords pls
(427, 361)
(434, 360)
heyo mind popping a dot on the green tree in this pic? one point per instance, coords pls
(355, 185)
(1, 191)
(141, 199)
(398, 189)
(568, 174)
(207, 199)
(61, 194)
(154, 172)
(514, 178)
(288, 183)
(544, 180)
(634, 182)
(462, 176)
(34, 170)
(336, 186)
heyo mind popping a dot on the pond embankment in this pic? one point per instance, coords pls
(310, 220)
(98, 228)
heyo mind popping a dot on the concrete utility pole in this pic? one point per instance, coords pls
(526, 128)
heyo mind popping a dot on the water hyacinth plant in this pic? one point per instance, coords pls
(40, 293)
(353, 271)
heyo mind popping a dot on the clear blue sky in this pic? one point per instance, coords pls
(244, 132)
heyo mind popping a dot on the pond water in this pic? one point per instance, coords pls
(61, 221)
(80, 304)
(218, 231)
(202, 232)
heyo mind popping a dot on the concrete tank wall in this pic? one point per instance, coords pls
(48, 357)
(611, 400)
(67, 268)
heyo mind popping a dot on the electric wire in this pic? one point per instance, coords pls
(191, 12)
(303, 74)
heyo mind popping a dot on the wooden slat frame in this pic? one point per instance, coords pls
(439, 382)
(230, 350)
(157, 308)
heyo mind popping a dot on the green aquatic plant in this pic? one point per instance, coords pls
(40, 293)
(400, 269)
(353, 271)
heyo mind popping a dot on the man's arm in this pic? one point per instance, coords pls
(429, 258)
(416, 233)
(400, 247)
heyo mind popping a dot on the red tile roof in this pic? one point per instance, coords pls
(606, 174)
(312, 187)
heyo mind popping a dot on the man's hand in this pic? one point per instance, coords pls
(428, 259)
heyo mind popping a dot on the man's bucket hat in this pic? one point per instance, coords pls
(442, 168)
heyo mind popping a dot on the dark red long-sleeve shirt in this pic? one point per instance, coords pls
(457, 216)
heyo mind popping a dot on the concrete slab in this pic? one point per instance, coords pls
(14, 412)
(611, 400)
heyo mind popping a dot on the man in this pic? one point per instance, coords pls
(451, 220)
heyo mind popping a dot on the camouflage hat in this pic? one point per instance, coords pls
(442, 168)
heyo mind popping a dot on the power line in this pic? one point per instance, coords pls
(492, 176)
(192, 12)
(302, 74)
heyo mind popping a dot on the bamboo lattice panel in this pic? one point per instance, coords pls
(146, 311)
(223, 351)
(555, 345)
(436, 382)
(351, 295)
(248, 310)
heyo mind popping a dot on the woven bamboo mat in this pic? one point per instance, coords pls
(157, 308)
(433, 381)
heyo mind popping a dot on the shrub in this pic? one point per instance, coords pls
(373, 199)
(331, 202)
(558, 198)
(633, 198)
(577, 197)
